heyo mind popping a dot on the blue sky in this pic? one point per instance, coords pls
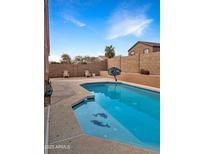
(85, 27)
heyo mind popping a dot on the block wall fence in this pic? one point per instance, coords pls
(128, 64)
(76, 70)
(133, 64)
(149, 80)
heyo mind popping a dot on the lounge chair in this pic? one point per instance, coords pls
(87, 73)
(66, 74)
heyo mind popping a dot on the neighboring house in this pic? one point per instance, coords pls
(46, 44)
(142, 47)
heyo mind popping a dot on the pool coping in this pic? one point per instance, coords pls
(152, 89)
(87, 95)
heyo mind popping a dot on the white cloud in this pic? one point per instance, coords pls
(74, 21)
(122, 24)
(55, 58)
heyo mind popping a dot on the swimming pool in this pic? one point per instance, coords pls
(122, 113)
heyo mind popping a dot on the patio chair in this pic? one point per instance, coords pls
(66, 74)
(87, 73)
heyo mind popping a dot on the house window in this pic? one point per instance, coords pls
(146, 51)
(132, 53)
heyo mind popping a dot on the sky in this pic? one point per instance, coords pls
(85, 27)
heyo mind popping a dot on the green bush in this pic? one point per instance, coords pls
(54, 62)
(145, 72)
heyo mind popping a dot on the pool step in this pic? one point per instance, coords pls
(90, 98)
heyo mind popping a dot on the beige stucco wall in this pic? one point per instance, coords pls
(46, 44)
(76, 70)
(149, 80)
(46, 40)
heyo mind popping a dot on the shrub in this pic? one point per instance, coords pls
(145, 72)
(142, 71)
(54, 62)
(84, 61)
(65, 59)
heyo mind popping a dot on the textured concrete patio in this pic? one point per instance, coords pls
(65, 135)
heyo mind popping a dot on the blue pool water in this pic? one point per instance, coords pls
(121, 113)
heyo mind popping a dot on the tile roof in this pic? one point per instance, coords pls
(153, 44)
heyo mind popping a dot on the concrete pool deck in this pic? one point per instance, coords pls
(65, 134)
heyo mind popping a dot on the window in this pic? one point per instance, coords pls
(146, 51)
(132, 53)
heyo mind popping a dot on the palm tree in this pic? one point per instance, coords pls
(109, 51)
(65, 59)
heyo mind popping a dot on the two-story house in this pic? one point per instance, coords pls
(142, 47)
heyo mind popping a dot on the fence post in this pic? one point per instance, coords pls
(139, 62)
(120, 61)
